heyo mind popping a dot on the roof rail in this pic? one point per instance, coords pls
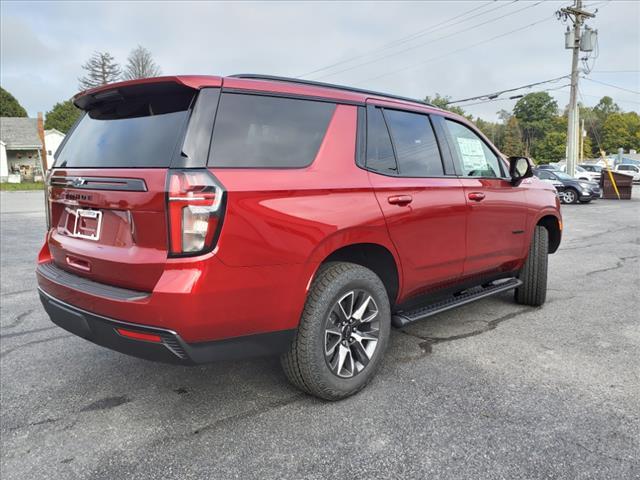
(256, 76)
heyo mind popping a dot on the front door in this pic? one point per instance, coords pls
(497, 211)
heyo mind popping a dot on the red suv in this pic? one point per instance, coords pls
(196, 218)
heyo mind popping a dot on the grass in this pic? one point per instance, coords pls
(15, 187)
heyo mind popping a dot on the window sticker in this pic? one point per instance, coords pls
(472, 153)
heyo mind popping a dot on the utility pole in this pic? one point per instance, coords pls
(573, 42)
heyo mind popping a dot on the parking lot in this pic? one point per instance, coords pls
(490, 390)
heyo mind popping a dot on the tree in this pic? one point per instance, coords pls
(512, 140)
(605, 107)
(9, 106)
(140, 64)
(62, 116)
(621, 130)
(101, 69)
(442, 101)
(535, 113)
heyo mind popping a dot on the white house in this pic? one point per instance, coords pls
(21, 149)
(52, 140)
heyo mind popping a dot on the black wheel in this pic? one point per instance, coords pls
(343, 332)
(571, 196)
(533, 290)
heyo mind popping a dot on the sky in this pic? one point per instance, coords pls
(456, 48)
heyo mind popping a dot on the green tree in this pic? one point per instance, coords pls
(442, 101)
(512, 140)
(535, 113)
(101, 69)
(9, 106)
(62, 116)
(621, 130)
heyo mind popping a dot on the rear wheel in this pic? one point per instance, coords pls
(343, 332)
(533, 290)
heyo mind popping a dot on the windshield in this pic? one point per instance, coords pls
(563, 176)
(142, 131)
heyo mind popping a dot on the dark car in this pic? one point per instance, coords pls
(574, 190)
(196, 218)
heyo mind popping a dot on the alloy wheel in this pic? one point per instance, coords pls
(352, 332)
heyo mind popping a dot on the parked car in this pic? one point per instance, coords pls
(590, 167)
(574, 190)
(628, 169)
(583, 174)
(547, 166)
(195, 218)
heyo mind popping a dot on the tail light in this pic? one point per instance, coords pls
(195, 204)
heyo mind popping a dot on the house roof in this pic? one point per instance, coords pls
(19, 133)
(52, 131)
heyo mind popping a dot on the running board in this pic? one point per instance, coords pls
(400, 319)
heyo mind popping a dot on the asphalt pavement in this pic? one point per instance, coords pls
(491, 390)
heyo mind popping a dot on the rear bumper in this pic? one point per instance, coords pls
(171, 349)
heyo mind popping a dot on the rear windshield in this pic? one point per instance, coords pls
(268, 132)
(129, 131)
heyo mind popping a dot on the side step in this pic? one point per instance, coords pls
(400, 319)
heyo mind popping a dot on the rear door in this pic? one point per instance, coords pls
(424, 207)
(497, 210)
(108, 206)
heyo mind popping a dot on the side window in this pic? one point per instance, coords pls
(476, 159)
(380, 155)
(544, 175)
(415, 142)
(268, 132)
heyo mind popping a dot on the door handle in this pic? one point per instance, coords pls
(400, 200)
(477, 196)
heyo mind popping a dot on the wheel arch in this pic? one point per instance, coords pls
(553, 224)
(376, 258)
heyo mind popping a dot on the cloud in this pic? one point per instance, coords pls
(45, 44)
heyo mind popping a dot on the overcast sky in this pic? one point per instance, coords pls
(438, 46)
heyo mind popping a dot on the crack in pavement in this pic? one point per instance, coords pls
(427, 344)
(251, 413)
(26, 332)
(28, 344)
(17, 292)
(19, 319)
(619, 264)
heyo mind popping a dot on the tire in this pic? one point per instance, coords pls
(311, 364)
(533, 290)
(571, 196)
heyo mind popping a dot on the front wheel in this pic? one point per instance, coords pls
(343, 332)
(570, 196)
(533, 290)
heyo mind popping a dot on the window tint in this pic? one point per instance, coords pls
(140, 131)
(415, 142)
(475, 158)
(259, 131)
(379, 150)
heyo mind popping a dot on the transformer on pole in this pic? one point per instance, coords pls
(577, 42)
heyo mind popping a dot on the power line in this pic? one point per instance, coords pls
(615, 71)
(409, 37)
(433, 59)
(500, 92)
(611, 85)
(413, 47)
(513, 97)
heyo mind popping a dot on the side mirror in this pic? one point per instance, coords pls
(519, 169)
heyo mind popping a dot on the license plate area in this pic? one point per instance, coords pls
(84, 223)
